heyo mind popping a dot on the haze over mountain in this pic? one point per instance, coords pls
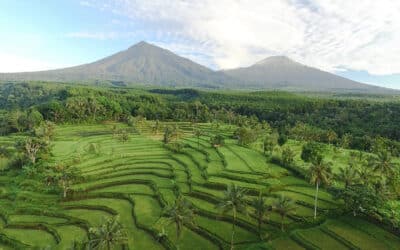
(145, 63)
(280, 72)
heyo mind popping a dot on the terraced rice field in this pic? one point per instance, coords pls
(138, 178)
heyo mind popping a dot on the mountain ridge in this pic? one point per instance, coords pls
(145, 63)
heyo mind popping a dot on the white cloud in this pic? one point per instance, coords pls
(13, 63)
(329, 34)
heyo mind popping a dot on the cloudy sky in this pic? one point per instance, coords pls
(358, 39)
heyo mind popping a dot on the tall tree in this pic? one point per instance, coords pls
(270, 143)
(107, 236)
(156, 127)
(168, 134)
(320, 173)
(383, 163)
(32, 148)
(66, 175)
(367, 176)
(311, 151)
(180, 213)
(287, 156)
(234, 201)
(198, 133)
(261, 210)
(284, 206)
(176, 132)
(348, 175)
(246, 136)
(331, 136)
(360, 199)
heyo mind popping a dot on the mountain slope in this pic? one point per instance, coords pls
(142, 63)
(279, 72)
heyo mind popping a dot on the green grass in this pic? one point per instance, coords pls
(284, 243)
(320, 239)
(38, 238)
(223, 230)
(135, 179)
(355, 236)
(35, 218)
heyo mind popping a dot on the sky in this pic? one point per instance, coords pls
(356, 39)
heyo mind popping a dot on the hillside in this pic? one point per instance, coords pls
(142, 63)
(144, 178)
(147, 64)
(280, 72)
(76, 161)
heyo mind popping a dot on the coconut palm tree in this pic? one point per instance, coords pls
(108, 235)
(320, 173)
(284, 206)
(198, 133)
(348, 175)
(367, 176)
(234, 201)
(176, 132)
(383, 163)
(180, 213)
(261, 210)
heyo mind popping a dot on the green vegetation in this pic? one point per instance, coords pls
(141, 170)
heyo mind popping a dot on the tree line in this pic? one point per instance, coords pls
(356, 124)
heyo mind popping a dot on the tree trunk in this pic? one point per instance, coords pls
(33, 159)
(64, 189)
(233, 229)
(282, 219)
(178, 235)
(316, 200)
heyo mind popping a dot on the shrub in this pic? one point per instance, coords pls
(246, 136)
(282, 139)
(217, 141)
(287, 156)
(93, 148)
(311, 151)
(176, 147)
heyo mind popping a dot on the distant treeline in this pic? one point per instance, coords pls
(353, 123)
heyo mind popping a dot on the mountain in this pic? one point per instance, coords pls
(145, 63)
(280, 72)
(142, 63)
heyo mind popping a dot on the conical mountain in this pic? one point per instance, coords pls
(145, 63)
(280, 72)
(142, 63)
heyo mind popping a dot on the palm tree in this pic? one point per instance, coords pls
(176, 132)
(198, 132)
(367, 175)
(283, 207)
(233, 200)
(320, 173)
(383, 163)
(155, 127)
(108, 235)
(261, 208)
(180, 213)
(287, 156)
(348, 175)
